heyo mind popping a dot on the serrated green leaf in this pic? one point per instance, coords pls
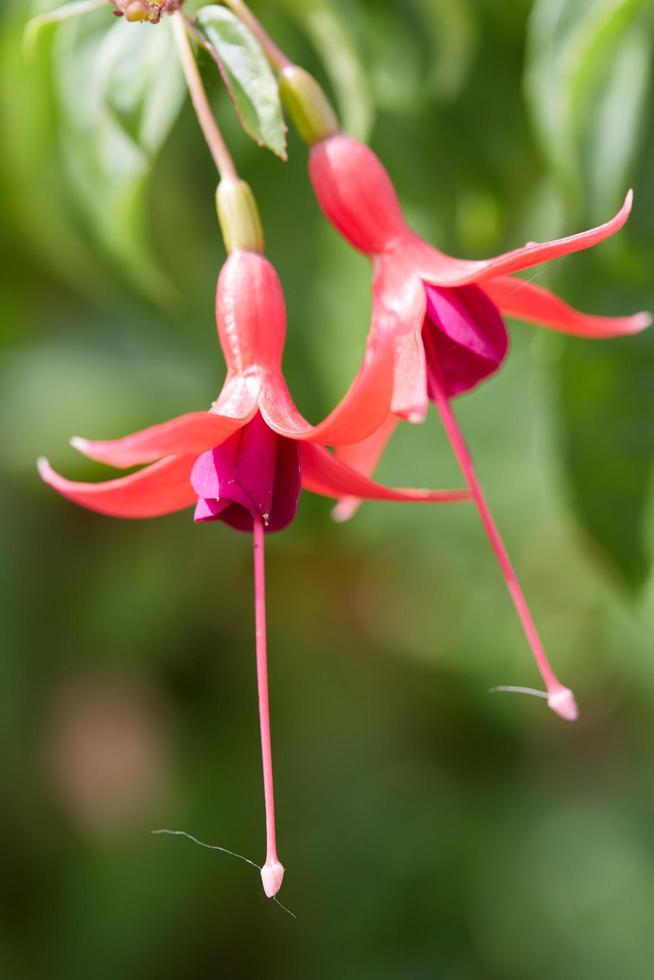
(587, 77)
(120, 91)
(330, 35)
(250, 82)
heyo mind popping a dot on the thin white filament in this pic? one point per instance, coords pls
(523, 281)
(509, 689)
(224, 850)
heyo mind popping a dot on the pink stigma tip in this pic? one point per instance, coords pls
(272, 876)
(563, 704)
(345, 509)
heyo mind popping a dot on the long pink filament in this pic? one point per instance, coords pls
(560, 699)
(272, 872)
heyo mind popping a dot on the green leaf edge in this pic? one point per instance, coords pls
(278, 146)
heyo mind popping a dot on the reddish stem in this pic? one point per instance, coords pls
(272, 872)
(560, 698)
(214, 138)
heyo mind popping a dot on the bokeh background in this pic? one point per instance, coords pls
(429, 829)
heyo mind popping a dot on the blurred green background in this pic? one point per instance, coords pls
(429, 830)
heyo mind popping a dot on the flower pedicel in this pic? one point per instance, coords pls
(442, 316)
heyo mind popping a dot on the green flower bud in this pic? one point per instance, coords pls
(239, 216)
(307, 104)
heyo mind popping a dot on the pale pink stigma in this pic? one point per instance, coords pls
(272, 873)
(563, 704)
(559, 698)
(272, 876)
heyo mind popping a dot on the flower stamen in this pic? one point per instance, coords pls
(514, 689)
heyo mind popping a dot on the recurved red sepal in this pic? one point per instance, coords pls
(191, 433)
(161, 488)
(325, 474)
(443, 270)
(535, 304)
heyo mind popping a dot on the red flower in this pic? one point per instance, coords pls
(443, 318)
(419, 292)
(253, 409)
(245, 460)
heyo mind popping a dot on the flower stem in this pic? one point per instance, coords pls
(209, 126)
(560, 699)
(275, 55)
(272, 872)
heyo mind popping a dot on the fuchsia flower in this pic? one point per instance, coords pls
(251, 452)
(425, 299)
(442, 316)
(245, 461)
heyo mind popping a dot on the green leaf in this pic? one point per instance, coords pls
(396, 58)
(330, 35)
(587, 77)
(250, 82)
(119, 91)
(452, 30)
(606, 401)
(35, 191)
(34, 26)
(612, 127)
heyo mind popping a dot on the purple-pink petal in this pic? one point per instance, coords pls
(288, 484)
(255, 473)
(207, 509)
(465, 334)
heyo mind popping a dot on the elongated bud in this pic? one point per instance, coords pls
(307, 104)
(356, 194)
(239, 216)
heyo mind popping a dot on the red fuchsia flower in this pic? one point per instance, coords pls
(442, 316)
(245, 461)
(441, 309)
